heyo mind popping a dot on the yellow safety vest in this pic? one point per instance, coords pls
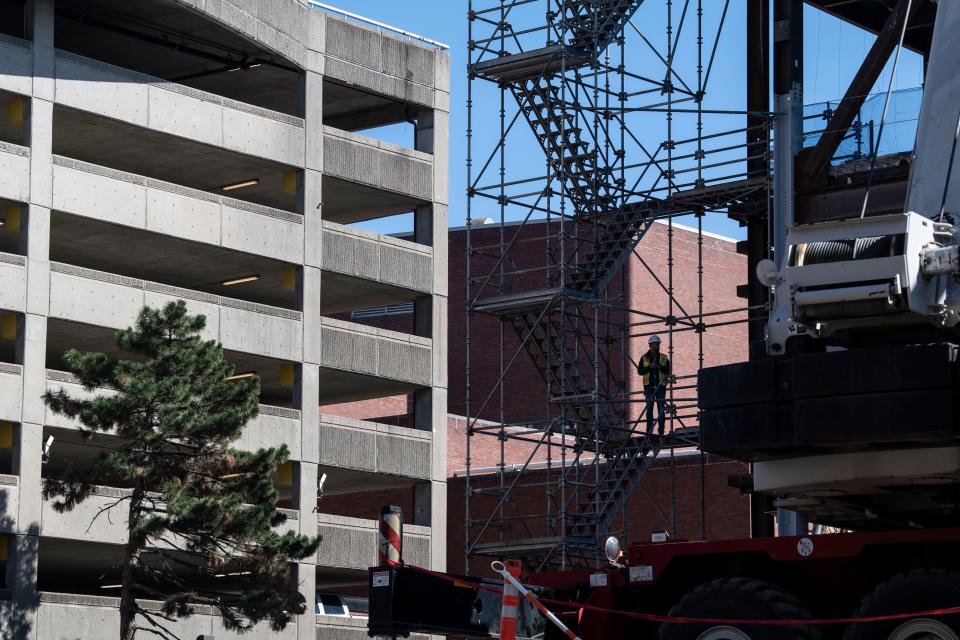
(645, 361)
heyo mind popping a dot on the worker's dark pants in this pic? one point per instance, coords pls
(655, 395)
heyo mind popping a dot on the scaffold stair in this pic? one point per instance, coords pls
(547, 321)
(594, 24)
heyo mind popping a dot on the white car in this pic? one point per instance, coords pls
(330, 604)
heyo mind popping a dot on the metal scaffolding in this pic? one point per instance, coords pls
(616, 97)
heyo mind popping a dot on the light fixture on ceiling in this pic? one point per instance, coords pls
(253, 277)
(244, 67)
(243, 375)
(322, 481)
(45, 450)
(240, 185)
(111, 586)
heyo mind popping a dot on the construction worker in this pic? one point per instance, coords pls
(655, 369)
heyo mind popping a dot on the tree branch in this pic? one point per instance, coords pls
(105, 509)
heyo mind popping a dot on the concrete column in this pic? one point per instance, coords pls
(306, 570)
(41, 107)
(430, 406)
(30, 471)
(35, 243)
(20, 622)
(424, 132)
(438, 523)
(307, 584)
(308, 384)
(313, 119)
(440, 249)
(438, 481)
(33, 347)
(307, 396)
(307, 390)
(309, 293)
(312, 215)
(32, 329)
(311, 203)
(439, 321)
(441, 159)
(18, 618)
(31, 352)
(307, 492)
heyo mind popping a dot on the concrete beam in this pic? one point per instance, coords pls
(358, 361)
(16, 65)
(82, 522)
(94, 138)
(371, 162)
(14, 172)
(79, 295)
(380, 63)
(402, 266)
(274, 426)
(271, 428)
(153, 103)
(88, 616)
(279, 25)
(13, 282)
(11, 392)
(130, 200)
(352, 542)
(375, 448)
(9, 500)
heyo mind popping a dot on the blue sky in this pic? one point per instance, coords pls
(833, 50)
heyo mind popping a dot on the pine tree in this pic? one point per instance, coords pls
(198, 510)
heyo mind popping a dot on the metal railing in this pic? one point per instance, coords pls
(860, 140)
(375, 23)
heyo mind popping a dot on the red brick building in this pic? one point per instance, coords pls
(690, 490)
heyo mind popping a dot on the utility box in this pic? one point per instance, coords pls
(405, 600)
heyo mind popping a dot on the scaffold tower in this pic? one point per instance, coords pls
(609, 118)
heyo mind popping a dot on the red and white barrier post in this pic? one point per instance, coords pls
(510, 580)
(391, 535)
(510, 603)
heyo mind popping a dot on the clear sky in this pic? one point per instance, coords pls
(833, 51)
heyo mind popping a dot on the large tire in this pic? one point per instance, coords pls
(918, 590)
(743, 599)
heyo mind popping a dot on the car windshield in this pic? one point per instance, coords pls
(332, 606)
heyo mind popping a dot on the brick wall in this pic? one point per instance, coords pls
(366, 504)
(727, 513)
(723, 270)
(384, 410)
(645, 281)
(523, 390)
(681, 489)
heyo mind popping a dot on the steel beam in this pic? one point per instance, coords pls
(818, 159)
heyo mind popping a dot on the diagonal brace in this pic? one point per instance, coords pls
(819, 158)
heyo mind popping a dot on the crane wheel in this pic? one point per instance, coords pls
(917, 590)
(739, 599)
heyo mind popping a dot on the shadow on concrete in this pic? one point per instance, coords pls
(18, 605)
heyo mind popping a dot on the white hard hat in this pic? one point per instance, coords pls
(654, 340)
